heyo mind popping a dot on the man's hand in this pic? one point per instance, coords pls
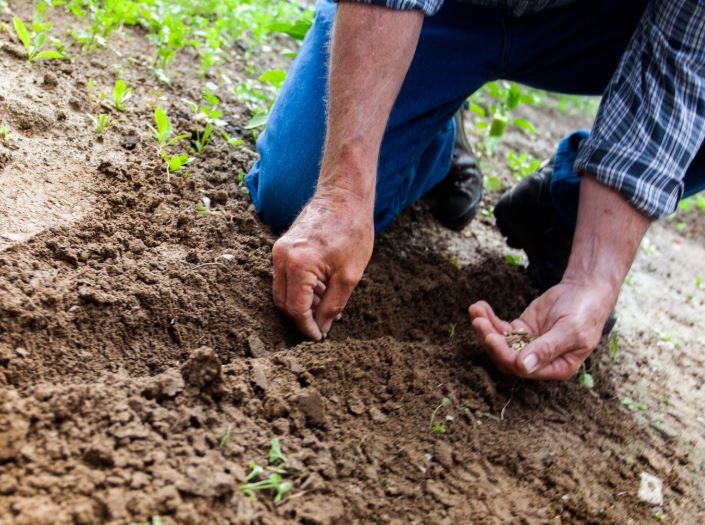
(568, 321)
(320, 260)
(568, 318)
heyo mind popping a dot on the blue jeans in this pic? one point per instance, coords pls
(571, 49)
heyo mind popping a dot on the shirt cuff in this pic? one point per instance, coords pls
(637, 177)
(427, 7)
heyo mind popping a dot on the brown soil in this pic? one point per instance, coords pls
(134, 333)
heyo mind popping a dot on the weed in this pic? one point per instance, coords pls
(241, 183)
(121, 93)
(455, 262)
(34, 41)
(439, 426)
(102, 122)
(585, 378)
(276, 481)
(202, 210)
(451, 330)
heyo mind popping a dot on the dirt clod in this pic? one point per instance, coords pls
(202, 368)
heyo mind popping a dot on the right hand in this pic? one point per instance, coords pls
(320, 260)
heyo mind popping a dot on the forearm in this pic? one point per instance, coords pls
(607, 237)
(371, 51)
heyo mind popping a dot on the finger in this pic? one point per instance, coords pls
(279, 284)
(316, 301)
(562, 368)
(340, 287)
(500, 353)
(483, 309)
(320, 288)
(299, 301)
(541, 352)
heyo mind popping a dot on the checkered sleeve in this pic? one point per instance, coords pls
(428, 7)
(651, 122)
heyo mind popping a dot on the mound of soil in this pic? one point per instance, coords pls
(135, 334)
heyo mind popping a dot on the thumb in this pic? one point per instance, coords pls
(334, 300)
(543, 350)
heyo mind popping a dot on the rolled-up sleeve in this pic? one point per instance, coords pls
(651, 122)
(428, 7)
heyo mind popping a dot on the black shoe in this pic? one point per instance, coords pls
(527, 217)
(455, 200)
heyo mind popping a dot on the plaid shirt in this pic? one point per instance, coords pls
(651, 122)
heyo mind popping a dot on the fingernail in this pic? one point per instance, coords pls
(530, 363)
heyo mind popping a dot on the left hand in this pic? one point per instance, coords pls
(567, 321)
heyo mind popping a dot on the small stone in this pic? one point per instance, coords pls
(651, 489)
(310, 405)
(376, 415)
(50, 80)
(256, 346)
(21, 351)
(202, 368)
(356, 406)
(259, 377)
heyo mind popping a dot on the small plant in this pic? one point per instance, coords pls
(225, 438)
(209, 114)
(699, 283)
(4, 134)
(522, 164)
(633, 405)
(276, 481)
(514, 260)
(34, 42)
(154, 520)
(455, 262)
(614, 350)
(164, 134)
(451, 330)
(439, 426)
(121, 93)
(102, 122)
(585, 379)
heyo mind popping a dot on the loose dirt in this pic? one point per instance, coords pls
(135, 333)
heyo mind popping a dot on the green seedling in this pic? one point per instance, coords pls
(522, 164)
(451, 330)
(202, 210)
(121, 93)
(455, 262)
(231, 140)
(34, 41)
(276, 481)
(585, 379)
(164, 135)
(699, 283)
(514, 260)
(102, 122)
(241, 183)
(275, 453)
(438, 426)
(492, 183)
(225, 438)
(633, 405)
(614, 350)
(4, 135)
(209, 114)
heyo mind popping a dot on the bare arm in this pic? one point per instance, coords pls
(322, 257)
(569, 317)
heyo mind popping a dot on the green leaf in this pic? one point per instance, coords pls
(274, 77)
(493, 183)
(48, 54)
(296, 30)
(275, 453)
(22, 33)
(178, 161)
(525, 124)
(257, 121)
(478, 110)
(498, 126)
(585, 379)
(163, 125)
